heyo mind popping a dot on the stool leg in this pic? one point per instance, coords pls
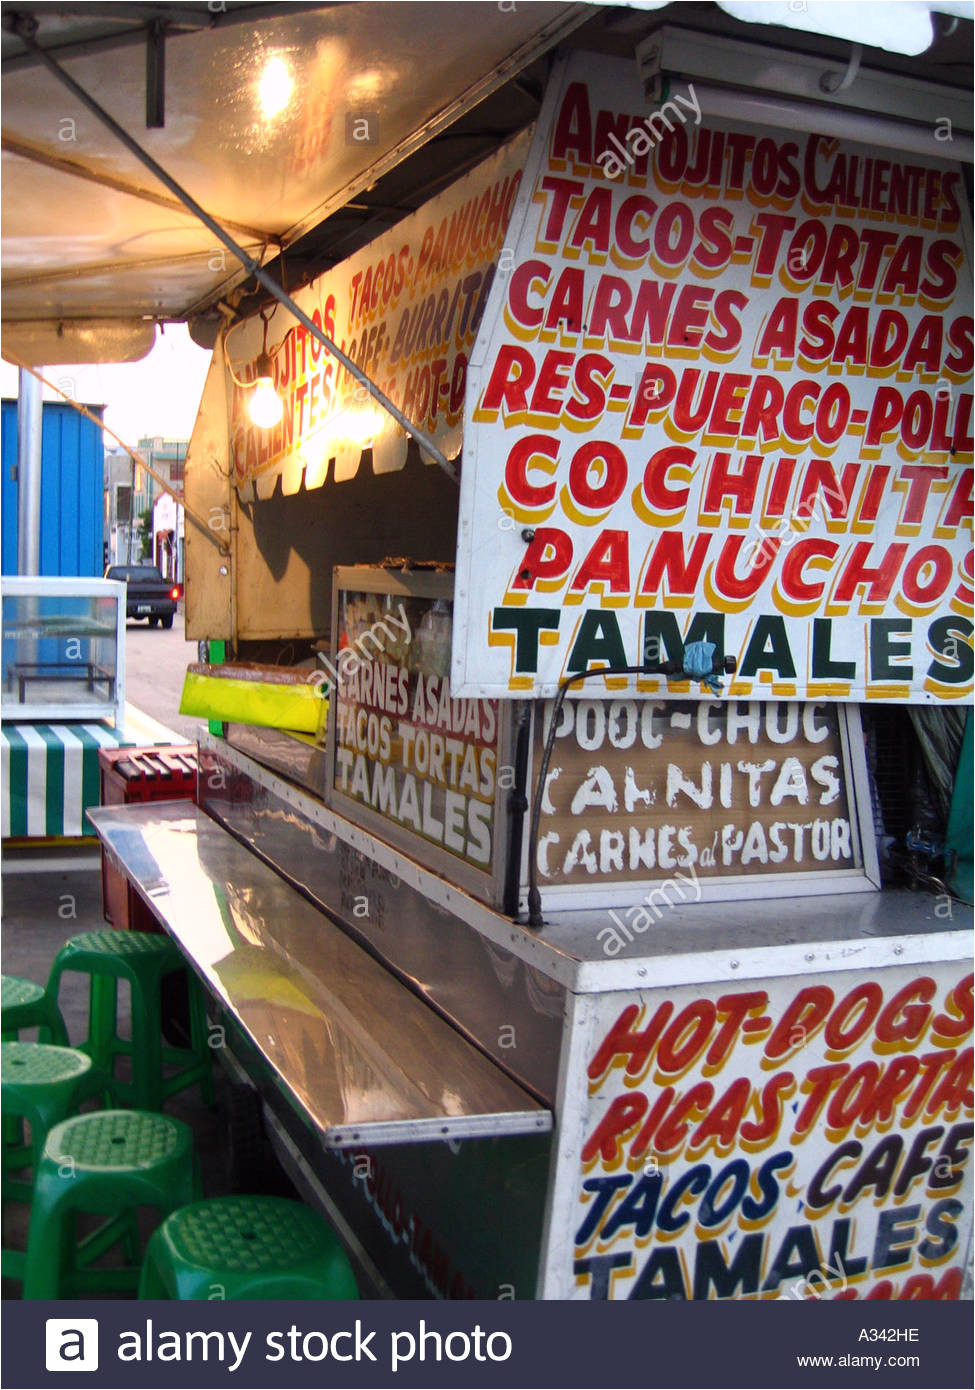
(13, 1132)
(147, 1060)
(49, 1241)
(52, 1030)
(151, 1284)
(103, 1021)
(200, 1039)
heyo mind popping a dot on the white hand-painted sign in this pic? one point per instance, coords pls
(721, 392)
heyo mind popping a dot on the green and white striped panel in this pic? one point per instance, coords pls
(50, 776)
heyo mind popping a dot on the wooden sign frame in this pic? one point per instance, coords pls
(487, 883)
(863, 875)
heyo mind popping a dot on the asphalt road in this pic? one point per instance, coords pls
(155, 667)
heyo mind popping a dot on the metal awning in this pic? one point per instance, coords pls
(368, 1061)
(274, 116)
(304, 128)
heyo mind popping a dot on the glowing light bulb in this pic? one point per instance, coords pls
(264, 407)
(364, 426)
(275, 87)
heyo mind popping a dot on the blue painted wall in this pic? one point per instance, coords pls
(72, 489)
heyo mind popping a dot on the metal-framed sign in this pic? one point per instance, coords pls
(405, 759)
(780, 1138)
(650, 802)
(721, 392)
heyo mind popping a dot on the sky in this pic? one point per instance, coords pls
(158, 396)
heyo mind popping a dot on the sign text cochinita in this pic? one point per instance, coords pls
(727, 395)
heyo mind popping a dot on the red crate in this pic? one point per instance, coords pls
(140, 774)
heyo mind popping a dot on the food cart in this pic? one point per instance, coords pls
(562, 952)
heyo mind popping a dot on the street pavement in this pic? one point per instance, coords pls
(155, 668)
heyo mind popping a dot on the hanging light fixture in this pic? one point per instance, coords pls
(265, 408)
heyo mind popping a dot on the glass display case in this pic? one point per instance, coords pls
(63, 654)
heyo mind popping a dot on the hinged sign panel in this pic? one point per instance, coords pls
(405, 308)
(722, 391)
(651, 802)
(405, 759)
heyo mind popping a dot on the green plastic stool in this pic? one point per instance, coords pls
(246, 1248)
(43, 1085)
(143, 959)
(27, 1005)
(109, 1163)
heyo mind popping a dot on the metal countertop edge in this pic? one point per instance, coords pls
(600, 977)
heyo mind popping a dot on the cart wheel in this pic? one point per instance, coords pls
(167, 622)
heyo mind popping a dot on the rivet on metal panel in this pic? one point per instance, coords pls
(898, 950)
(734, 965)
(810, 956)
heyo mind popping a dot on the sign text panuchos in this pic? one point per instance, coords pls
(722, 391)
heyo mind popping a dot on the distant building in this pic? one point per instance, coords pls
(131, 491)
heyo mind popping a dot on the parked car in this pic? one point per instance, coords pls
(148, 594)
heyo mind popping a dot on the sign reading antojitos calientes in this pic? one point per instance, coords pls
(405, 309)
(722, 390)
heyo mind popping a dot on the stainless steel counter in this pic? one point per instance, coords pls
(368, 1061)
(674, 940)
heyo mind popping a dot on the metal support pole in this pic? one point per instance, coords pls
(25, 26)
(156, 75)
(197, 520)
(128, 545)
(29, 415)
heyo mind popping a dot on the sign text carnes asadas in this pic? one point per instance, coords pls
(420, 761)
(724, 394)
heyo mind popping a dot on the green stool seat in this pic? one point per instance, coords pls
(43, 1085)
(246, 1248)
(109, 1163)
(27, 1005)
(143, 959)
